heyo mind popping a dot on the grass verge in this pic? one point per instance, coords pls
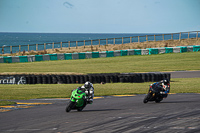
(25, 92)
(4, 103)
(122, 64)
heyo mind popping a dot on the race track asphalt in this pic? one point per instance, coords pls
(128, 114)
(185, 74)
(178, 113)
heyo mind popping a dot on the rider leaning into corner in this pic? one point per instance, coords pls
(89, 91)
(163, 86)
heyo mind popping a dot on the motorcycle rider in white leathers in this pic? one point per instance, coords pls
(89, 91)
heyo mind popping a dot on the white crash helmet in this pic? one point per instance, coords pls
(165, 83)
(88, 85)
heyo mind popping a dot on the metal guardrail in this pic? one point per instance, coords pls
(99, 42)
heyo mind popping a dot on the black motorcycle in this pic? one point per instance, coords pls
(155, 94)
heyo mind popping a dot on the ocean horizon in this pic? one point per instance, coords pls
(23, 38)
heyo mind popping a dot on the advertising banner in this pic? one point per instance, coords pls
(12, 80)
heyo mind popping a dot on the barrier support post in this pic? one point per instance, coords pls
(10, 49)
(180, 36)
(19, 48)
(44, 46)
(163, 37)
(69, 44)
(172, 36)
(138, 39)
(91, 44)
(53, 46)
(106, 41)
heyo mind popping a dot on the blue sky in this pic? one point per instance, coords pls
(99, 16)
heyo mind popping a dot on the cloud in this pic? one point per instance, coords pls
(68, 5)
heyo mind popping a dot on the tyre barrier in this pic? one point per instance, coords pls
(93, 78)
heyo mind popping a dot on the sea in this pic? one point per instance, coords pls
(54, 40)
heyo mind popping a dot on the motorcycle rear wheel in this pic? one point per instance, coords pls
(158, 100)
(79, 109)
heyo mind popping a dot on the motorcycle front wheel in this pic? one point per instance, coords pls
(146, 98)
(69, 106)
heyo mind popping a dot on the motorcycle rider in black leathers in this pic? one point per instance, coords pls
(163, 86)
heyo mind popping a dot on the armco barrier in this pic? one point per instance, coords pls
(68, 56)
(130, 52)
(75, 56)
(137, 52)
(15, 59)
(168, 50)
(196, 48)
(161, 50)
(23, 59)
(53, 56)
(190, 49)
(1, 60)
(88, 55)
(80, 79)
(46, 57)
(109, 53)
(176, 49)
(38, 57)
(153, 51)
(60, 56)
(7, 59)
(31, 58)
(81, 55)
(124, 52)
(95, 54)
(102, 54)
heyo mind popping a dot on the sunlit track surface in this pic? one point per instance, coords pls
(178, 113)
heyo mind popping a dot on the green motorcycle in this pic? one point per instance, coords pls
(77, 101)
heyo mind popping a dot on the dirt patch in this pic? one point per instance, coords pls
(111, 47)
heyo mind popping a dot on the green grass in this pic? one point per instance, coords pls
(4, 103)
(122, 64)
(24, 92)
(125, 64)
